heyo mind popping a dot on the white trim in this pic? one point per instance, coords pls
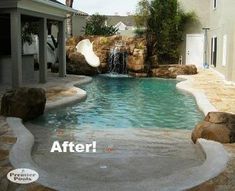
(217, 72)
(224, 56)
(214, 4)
(213, 50)
(227, 82)
(56, 5)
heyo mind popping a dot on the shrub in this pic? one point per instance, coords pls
(96, 26)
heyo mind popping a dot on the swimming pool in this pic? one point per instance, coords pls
(128, 103)
(142, 129)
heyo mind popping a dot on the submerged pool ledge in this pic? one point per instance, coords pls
(216, 159)
(203, 103)
(79, 96)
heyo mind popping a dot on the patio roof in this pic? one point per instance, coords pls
(48, 7)
(56, 4)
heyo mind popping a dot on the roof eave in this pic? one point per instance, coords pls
(56, 5)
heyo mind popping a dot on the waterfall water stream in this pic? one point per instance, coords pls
(118, 58)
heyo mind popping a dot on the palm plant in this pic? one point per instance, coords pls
(69, 3)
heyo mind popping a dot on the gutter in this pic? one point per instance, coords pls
(56, 5)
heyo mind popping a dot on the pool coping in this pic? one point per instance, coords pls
(216, 157)
(203, 103)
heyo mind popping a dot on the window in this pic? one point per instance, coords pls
(224, 61)
(214, 4)
(214, 51)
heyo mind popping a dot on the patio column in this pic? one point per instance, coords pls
(16, 49)
(61, 48)
(43, 50)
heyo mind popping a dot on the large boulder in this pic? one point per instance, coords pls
(25, 103)
(172, 71)
(217, 126)
(136, 63)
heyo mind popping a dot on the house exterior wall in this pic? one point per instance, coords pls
(125, 30)
(222, 22)
(79, 22)
(201, 10)
(121, 26)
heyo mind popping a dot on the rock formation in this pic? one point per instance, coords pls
(25, 103)
(172, 71)
(135, 47)
(217, 126)
(138, 64)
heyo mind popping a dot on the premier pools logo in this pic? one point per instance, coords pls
(23, 176)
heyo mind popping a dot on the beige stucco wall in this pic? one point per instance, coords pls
(200, 8)
(79, 22)
(222, 22)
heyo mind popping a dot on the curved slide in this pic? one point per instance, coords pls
(85, 47)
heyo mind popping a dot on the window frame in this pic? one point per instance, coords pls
(225, 50)
(215, 4)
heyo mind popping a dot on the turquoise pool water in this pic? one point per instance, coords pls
(128, 103)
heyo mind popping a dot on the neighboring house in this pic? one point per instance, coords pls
(219, 16)
(124, 24)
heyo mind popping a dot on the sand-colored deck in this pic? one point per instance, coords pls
(219, 93)
(222, 96)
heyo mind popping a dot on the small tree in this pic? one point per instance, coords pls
(165, 23)
(142, 13)
(96, 26)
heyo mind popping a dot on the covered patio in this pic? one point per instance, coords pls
(13, 64)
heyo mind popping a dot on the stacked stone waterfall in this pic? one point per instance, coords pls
(117, 54)
(118, 58)
(122, 55)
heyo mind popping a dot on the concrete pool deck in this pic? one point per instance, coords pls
(221, 95)
(202, 74)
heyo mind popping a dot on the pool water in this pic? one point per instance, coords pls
(134, 123)
(127, 103)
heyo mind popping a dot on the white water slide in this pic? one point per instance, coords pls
(85, 47)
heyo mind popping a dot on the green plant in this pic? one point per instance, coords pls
(140, 45)
(27, 30)
(139, 32)
(96, 26)
(104, 41)
(165, 25)
(142, 14)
